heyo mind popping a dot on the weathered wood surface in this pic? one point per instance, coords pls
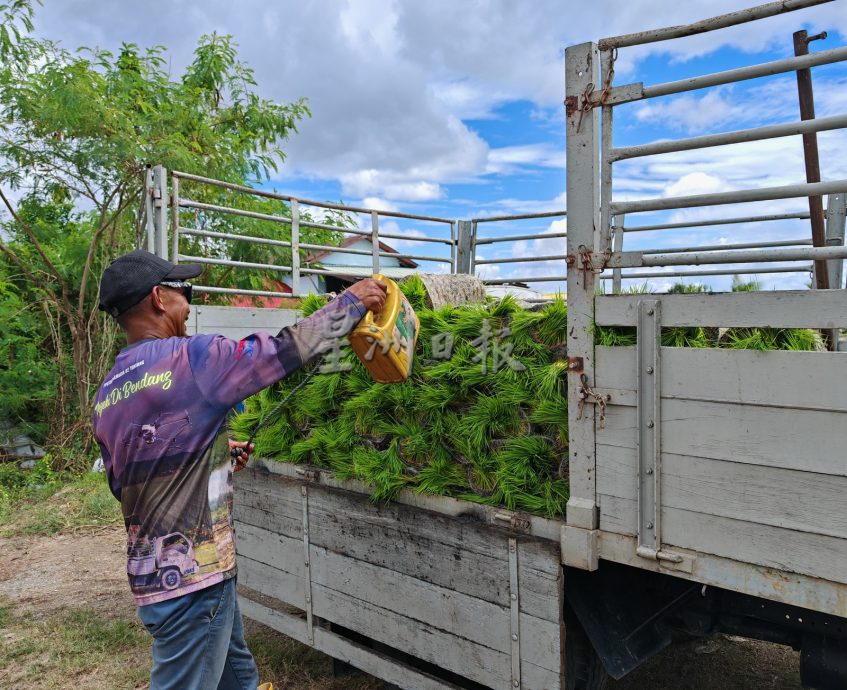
(444, 551)
(815, 555)
(239, 322)
(430, 585)
(794, 309)
(326, 641)
(800, 501)
(788, 379)
(752, 445)
(759, 581)
(805, 440)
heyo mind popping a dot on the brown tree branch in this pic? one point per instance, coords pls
(66, 301)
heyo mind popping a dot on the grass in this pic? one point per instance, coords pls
(63, 504)
(78, 648)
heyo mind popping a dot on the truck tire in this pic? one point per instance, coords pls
(170, 578)
(583, 667)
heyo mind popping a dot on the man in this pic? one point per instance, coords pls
(159, 419)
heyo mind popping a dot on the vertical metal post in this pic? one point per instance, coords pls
(836, 210)
(836, 205)
(149, 211)
(617, 246)
(810, 152)
(295, 246)
(582, 69)
(603, 238)
(375, 240)
(453, 247)
(514, 614)
(160, 211)
(464, 246)
(307, 565)
(648, 413)
(175, 219)
(472, 253)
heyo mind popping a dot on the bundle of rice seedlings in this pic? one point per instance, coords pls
(488, 424)
(735, 338)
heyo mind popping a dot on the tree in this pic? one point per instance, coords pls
(77, 130)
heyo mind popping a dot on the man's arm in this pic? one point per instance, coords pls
(228, 371)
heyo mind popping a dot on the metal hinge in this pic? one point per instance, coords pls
(516, 522)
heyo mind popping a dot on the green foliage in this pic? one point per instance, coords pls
(77, 132)
(497, 438)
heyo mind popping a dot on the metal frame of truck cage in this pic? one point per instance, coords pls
(295, 220)
(464, 241)
(594, 245)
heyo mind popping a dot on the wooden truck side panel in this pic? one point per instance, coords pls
(435, 586)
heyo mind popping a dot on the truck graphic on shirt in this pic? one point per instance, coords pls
(164, 561)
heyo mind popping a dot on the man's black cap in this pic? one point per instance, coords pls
(131, 277)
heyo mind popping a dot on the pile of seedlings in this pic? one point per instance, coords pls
(485, 420)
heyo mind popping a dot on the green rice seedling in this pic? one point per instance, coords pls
(414, 290)
(549, 380)
(311, 303)
(553, 413)
(741, 285)
(687, 288)
(615, 336)
(681, 336)
(442, 476)
(552, 328)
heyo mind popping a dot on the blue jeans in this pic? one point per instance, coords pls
(198, 642)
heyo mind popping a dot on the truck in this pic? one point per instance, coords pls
(707, 486)
(163, 560)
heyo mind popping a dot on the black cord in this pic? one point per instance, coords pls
(238, 452)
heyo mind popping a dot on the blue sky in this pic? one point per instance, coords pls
(455, 109)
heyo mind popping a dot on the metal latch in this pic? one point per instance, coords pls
(516, 522)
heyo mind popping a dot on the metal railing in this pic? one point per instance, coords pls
(595, 244)
(298, 216)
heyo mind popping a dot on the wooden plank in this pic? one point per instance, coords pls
(283, 586)
(542, 527)
(265, 546)
(775, 378)
(450, 552)
(370, 661)
(479, 663)
(456, 615)
(784, 309)
(777, 585)
(807, 440)
(800, 501)
(816, 555)
(239, 322)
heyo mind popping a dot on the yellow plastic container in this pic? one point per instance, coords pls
(385, 342)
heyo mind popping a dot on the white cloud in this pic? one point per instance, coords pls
(391, 82)
(696, 183)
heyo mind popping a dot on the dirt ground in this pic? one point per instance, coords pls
(67, 621)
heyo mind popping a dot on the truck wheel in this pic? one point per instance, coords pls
(170, 578)
(583, 667)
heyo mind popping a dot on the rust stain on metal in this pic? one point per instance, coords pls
(575, 365)
(571, 105)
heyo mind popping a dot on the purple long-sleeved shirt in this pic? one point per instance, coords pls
(158, 418)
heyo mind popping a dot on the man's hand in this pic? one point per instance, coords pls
(240, 454)
(371, 292)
